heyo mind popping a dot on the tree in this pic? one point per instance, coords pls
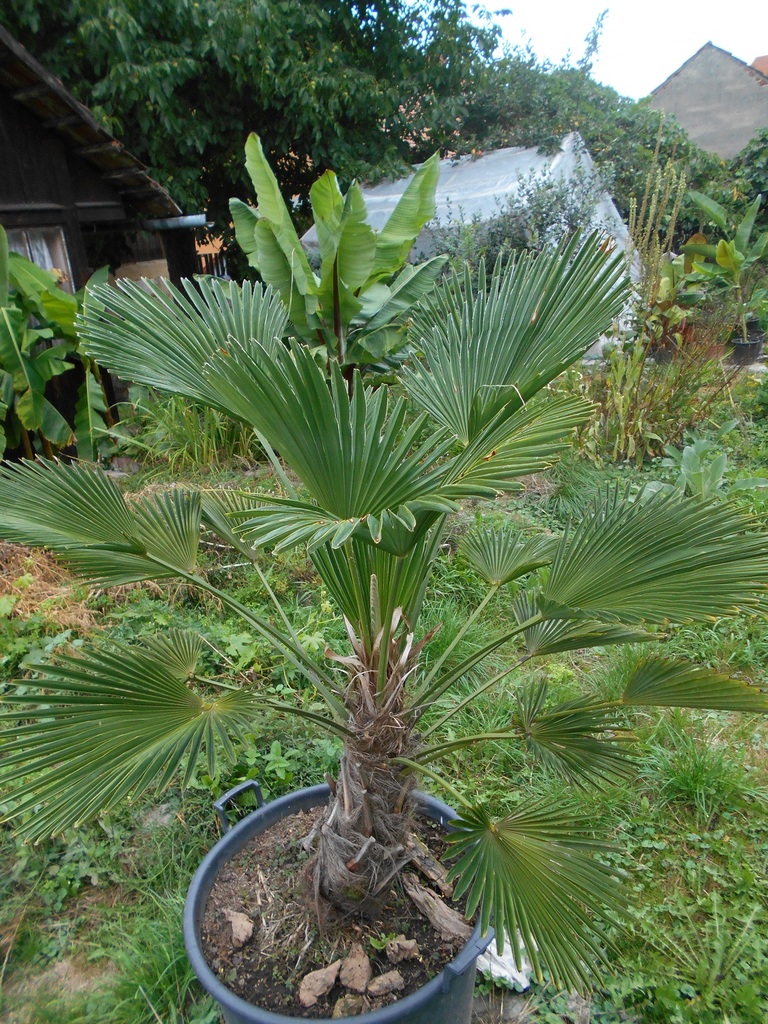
(378, 488)
(359, 86)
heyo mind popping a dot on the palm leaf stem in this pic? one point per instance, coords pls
(414, 766)
(473, 696)
(276, 602)
(441, 749)
(276, 464)
(207, 681)
(311, 716)
(366, 612)
(293, 651)
(462, 632)
(429, 694)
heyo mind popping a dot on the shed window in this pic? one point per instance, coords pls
(45, 247)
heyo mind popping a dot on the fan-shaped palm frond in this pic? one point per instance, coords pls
(221, 511)
(78, 513)
(178, 650)
(500, 556)
(510, 446)
(367, 472)
(534, 876)
(555, 635)
(669, 558)
(163, 337)
(112, 722)
(666, 682)
(493, 349)
(584, 740)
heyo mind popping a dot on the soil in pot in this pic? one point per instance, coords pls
(266, 938)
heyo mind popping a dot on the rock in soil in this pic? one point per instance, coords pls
(242, 927)
(356, 970)
(400, 948)
(318, 983)
(348, 1006)
(386, 984)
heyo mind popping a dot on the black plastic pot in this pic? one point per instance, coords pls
(745, 352)
(446, 999)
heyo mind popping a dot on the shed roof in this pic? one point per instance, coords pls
(35, 88)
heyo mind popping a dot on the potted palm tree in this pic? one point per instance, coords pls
(374, 476)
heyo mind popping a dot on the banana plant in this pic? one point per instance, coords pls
(37, 343)
(355, 307)
(381, 472)
(735, 260)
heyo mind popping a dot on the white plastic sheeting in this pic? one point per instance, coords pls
(476, 187)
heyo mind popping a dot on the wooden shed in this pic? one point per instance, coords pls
(71, 196)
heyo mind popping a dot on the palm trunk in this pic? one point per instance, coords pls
(364, 834)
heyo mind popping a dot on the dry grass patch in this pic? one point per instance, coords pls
(32, 582)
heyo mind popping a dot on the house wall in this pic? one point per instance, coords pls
(42, 184)
(720, 101)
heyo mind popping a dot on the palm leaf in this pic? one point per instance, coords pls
(354, 456)
(360, 571)
(220, 512)
(111, 722)
(573, 632)
(485, 351)
(500, 556)
(414, 208)
(533, 876)
(80, 515)
(664, 682)
(582, 740)
(668, 558)
(178, 650)
(273, 212)
(163, 337)
(516, 444)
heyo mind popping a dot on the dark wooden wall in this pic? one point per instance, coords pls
(42, 184)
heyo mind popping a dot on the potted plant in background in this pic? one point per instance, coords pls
(738, 265)
(371, 492)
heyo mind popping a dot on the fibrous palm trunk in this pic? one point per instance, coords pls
(364, 834)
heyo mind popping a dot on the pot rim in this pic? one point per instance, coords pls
(236, 838)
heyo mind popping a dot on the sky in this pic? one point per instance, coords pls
(643, 41)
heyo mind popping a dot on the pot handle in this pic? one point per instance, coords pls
(476, 945)
(222, 802)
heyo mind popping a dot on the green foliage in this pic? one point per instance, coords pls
(37, 344)
(186, 435)
(701, 468)
(355, 306)
(735, 262)
(643, 403)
